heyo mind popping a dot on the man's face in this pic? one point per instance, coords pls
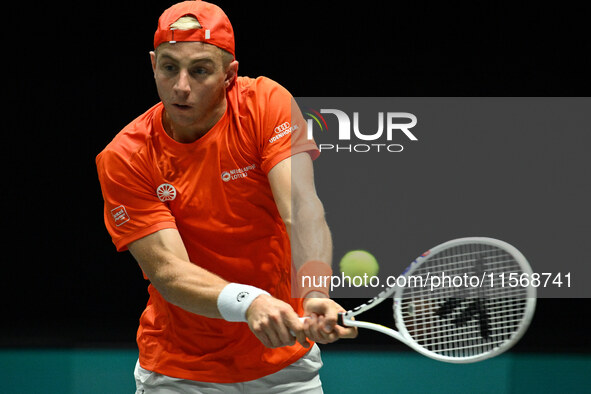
(191, 82)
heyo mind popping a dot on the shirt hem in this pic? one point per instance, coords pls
(311, 149)
(122, 243)
(205, 377)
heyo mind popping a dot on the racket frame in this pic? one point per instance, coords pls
(348, 318)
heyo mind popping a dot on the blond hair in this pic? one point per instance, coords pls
(188, 22)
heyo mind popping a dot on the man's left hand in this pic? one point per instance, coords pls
(321, 325)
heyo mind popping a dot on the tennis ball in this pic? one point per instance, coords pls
(359, 263)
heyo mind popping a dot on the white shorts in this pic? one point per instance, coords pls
(300, 377)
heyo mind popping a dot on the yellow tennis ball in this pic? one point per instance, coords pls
(359, 263)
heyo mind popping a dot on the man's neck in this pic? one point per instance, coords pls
(191, 133)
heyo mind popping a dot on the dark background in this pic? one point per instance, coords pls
(78, 72)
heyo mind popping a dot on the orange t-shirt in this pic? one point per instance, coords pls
(215, 191)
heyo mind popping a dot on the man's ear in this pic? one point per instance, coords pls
(231, 73)
(153, 60)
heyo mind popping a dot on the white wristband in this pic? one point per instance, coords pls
(234, 300)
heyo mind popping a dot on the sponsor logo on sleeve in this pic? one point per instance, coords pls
(119, 215)
(282, 130)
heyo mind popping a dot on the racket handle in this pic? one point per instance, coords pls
(302, 319)
(341, 319)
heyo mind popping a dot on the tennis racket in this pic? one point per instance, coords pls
(458, 322)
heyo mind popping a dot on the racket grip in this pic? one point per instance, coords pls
(341, 319)
(302, 319)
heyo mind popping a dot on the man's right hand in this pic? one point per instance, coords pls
(272, 321)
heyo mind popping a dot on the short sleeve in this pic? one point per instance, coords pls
(283, 128)
(132, 209)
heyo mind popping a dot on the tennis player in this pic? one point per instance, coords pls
(212, 192)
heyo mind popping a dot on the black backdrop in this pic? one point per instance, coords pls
(78, 72)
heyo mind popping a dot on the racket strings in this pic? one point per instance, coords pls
(441, 336)
(505, 317)
(464, 319)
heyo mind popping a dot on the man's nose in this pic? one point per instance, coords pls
(182, 85)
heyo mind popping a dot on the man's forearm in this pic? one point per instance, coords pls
(311, 243)
(163, 258)
(292, 183)
(194, 289)
(311, 239)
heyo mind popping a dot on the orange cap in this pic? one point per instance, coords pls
(216, 28)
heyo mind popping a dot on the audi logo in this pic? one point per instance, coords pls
(282, 127)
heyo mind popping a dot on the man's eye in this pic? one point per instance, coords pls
(168, 67)
(200, 71)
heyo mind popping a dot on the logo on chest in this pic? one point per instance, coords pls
(237, 173)
(166, 192)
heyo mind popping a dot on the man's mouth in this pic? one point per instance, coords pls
(182, 107)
